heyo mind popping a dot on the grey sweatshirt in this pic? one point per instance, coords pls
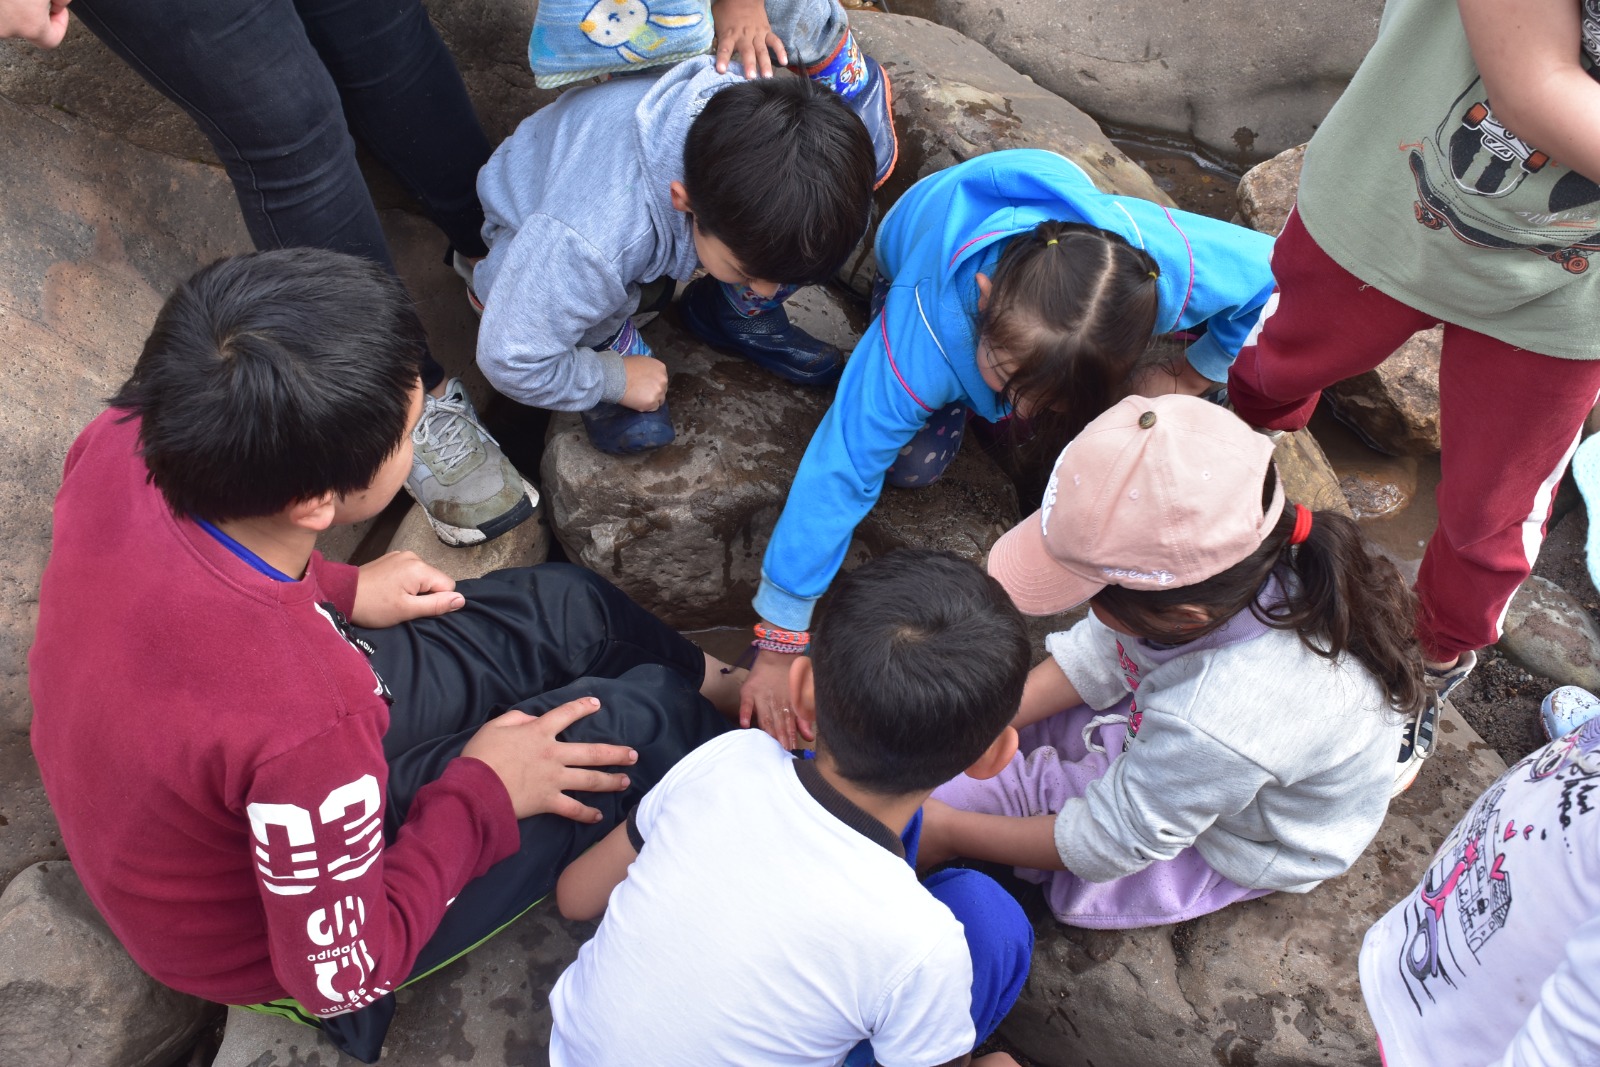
(1272, 761)
(577, 216)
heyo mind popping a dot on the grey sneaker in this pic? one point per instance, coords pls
(466, 486)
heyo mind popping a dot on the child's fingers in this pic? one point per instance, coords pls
(580, 754)
(724, 53)
(758, 48)
(582, 781)
(568, 808)
(775, 44)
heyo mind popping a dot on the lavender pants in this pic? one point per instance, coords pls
(1052, 766)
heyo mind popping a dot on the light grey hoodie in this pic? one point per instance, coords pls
(1275, 763)
(577, 216)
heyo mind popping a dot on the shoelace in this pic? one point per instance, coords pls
(440, 431)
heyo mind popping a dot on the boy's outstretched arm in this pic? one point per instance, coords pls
(1528, 54)
(584, 888)
(1047, 691)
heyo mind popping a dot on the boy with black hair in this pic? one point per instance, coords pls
(280, 777)
(640, 180)
(917, 667)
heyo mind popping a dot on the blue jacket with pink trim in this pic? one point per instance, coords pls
(920, 354)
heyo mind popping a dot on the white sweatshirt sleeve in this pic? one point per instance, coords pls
(1563, 1029)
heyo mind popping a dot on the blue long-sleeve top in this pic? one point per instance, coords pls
(920, 354)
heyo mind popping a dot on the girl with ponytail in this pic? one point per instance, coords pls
(1008, 285)
(1239, 706)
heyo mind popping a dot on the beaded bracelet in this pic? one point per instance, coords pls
(789, 642)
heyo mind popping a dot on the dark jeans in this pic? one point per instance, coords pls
(279, 86)
(530, 639)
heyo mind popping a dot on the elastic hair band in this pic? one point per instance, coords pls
(1302, 525)
(1153, 274)
(1053, 240)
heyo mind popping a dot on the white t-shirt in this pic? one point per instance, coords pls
(767, 920)
(1495, 957)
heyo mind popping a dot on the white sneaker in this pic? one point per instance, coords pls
(466, 486)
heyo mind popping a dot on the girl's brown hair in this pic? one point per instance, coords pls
(1343, 598)
(1075, 306)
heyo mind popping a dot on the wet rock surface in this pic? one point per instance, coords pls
(682, 529)
(70, 993)
(1245, 79)
(1269, 983)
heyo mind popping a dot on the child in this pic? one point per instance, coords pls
(1419, 205)
(764, 909)
(1009, 283)
(274, 773)
(620, 184)
(1495, 958)
(1231, 723)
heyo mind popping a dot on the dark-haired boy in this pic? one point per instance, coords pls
(765, 183)
(764, 909)
(280, 777)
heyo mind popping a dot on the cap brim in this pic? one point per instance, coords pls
(1037, 583)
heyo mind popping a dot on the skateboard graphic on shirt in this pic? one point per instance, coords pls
(1473, 161)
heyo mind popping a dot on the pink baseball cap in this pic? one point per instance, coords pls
(1156, 493)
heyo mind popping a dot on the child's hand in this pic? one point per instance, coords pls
(399, 587)
(742, 28)
(647, 383)
(538, 770)
(40, 22)
(764, 699)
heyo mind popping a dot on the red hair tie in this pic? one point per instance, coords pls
(1302, 525)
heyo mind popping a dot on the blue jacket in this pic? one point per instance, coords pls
(920, 354)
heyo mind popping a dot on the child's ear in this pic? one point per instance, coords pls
(314, 513)
(1188, 616)
(803, 689)
(983, 291)
(996, 756)
(680, 197)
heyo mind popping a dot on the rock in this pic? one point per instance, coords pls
(1395, 406)
(1245, 80)
(524, 546)
(1307, 476)
(1267, 191)
(341, 543)
(70, 993)
(1267, 983)
(954, 100)
(1379, 488)
(489, 1008)
(1547, 632)
(682, 529)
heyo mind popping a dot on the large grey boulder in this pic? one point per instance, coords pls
(70, 994)
(682, 529)
(1268, 983)
(1244, 79)
(953, 100)
(1395, 406)
(1547, 632)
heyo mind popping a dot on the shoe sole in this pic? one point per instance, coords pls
(469, 537)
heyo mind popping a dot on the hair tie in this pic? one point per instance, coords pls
(1153, 274)
(1302, 525)
(1050, 242)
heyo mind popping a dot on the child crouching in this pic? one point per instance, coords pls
(764, 909)
(1235, 702)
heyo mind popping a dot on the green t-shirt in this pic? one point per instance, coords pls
(1412, 185)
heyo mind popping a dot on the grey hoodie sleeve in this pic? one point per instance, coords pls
(1087, 655)
(552, 288)
(1170, 785)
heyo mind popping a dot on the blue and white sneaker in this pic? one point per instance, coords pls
(1565, 710)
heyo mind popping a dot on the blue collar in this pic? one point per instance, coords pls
(242, 552)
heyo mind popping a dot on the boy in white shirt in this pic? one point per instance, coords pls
(765, 909)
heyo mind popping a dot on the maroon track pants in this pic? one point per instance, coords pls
(1509, 421)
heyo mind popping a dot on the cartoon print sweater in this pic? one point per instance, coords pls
(1414, 186)
(920, 354)
(1494, 958)
(211, 744)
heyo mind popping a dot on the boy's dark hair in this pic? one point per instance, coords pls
(274, 377)
(919, 660)
(1344, 597)
(780, 170)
